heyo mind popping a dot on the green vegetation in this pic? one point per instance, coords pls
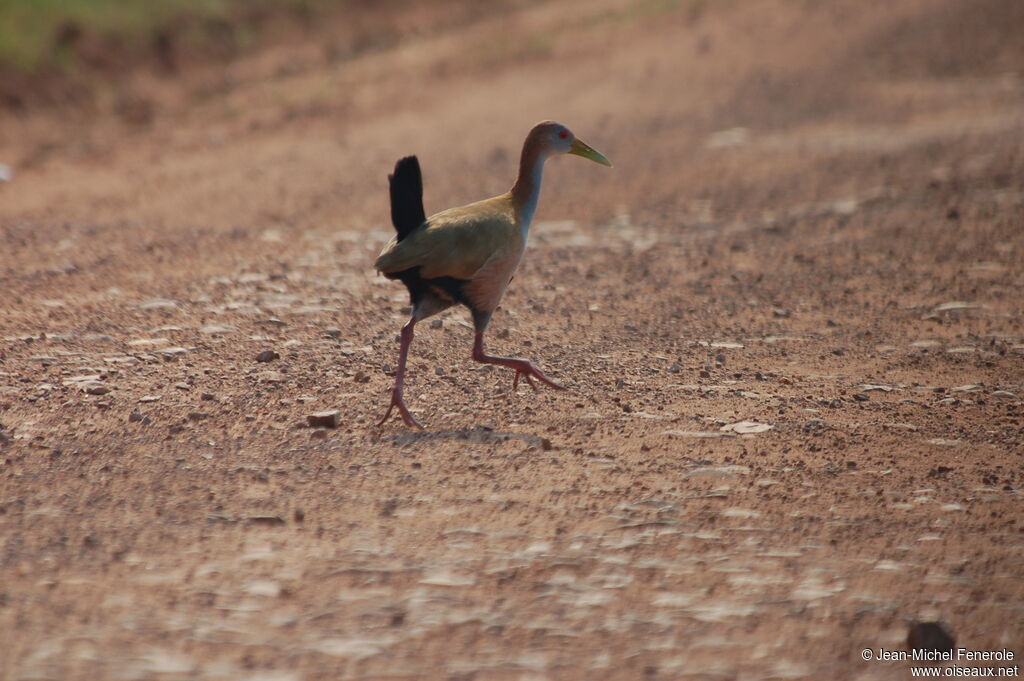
(31, 31)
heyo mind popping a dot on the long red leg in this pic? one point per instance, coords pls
(396, 392)
(522, 366)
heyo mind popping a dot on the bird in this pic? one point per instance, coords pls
(467, 255)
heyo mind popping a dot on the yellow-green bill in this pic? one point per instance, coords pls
(581, 148)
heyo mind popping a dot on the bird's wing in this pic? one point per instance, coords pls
(456, 242)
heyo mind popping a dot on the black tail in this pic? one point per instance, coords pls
(406, 196)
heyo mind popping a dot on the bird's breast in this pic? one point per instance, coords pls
(485, 290)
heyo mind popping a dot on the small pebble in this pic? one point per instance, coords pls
(387, 509)
(216, 329)
(861, 397)
(267, 356)
(436, 324)
(931, 636)
(95, 388)
(324, 419)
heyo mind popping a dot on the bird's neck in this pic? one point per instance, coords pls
(526, 191)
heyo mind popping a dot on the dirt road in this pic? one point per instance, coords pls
(814, 223)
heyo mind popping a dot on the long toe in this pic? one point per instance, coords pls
(530, 372)
(409, 420)
(528, 380)
(541, 376)
(388, 412)
(397, 401)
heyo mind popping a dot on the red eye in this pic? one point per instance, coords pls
(564, 134)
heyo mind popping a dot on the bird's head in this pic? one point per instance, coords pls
(555, 138)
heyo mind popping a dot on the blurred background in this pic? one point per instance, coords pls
(669, 83)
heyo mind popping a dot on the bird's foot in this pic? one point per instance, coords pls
(528, 371)
(398, 401)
